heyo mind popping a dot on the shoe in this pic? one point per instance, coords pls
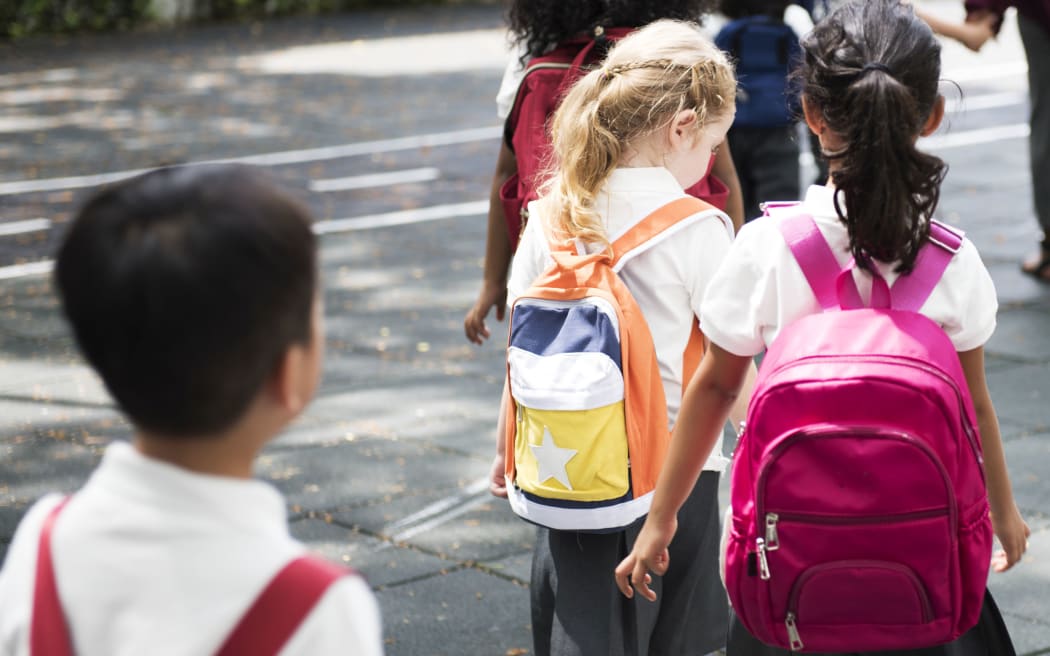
(1039, 268)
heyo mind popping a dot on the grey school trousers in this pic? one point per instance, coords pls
(577, 610)
(1036, 39)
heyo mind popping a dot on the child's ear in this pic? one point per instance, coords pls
(683, 128)
(811, 113)
(934, 120)
(285, 385)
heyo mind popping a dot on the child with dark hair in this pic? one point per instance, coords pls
(870, 77)
(193, 292)
(554, 30)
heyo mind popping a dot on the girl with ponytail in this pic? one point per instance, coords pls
(628, 138)
(869, 79)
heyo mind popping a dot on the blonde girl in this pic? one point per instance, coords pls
(628, 138)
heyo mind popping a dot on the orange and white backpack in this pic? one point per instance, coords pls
(587, 428)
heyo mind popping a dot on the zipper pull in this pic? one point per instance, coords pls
(793, 637)
(521, 413)
(772, 541)
(763, 564)
(741, 427)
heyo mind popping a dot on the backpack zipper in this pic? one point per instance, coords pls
(768, 520)
(901, 361)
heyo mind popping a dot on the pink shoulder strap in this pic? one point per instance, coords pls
(263, 630)
(834, 290)
(911, 291)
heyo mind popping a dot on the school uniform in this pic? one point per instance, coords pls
(760, 289)
(154, 559)
(576, 607)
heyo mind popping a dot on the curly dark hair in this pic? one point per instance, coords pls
(540, 25)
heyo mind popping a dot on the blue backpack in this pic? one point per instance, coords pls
(765, 50)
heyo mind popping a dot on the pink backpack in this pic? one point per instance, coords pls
(860, 515)
(263, 630)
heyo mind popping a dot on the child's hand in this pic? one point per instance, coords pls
(498, 477)
(649, 555)
(491, 295)
(1013, 533)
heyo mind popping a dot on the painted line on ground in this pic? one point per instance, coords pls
(403, 217)
(271, 159)
(23, 227)
(1014, 68)
(976, 137)
(28, 269)
(437, 513)
(375, 180)
(367, 222)
(986, 101)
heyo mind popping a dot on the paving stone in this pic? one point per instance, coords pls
(351, 473)
(380, 564)
(1021, 596)
(1023, 395)
(1027, 460)
(1023, 334)
(517, 567)
(451, 615)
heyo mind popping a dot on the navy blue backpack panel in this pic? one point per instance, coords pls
(765, 50)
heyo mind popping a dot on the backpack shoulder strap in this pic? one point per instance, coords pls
(814, 257)
(654, 227)
(49, 632)
(911, 291)
(282, 607)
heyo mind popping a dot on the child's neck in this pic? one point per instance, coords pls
(228, 455)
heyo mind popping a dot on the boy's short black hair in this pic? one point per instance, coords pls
(743, 8)
(184, 287)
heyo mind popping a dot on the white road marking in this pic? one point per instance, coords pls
(42, 267)
(22, 227)
(987, 101)
(375, 180)
(272, 159)
(421, 215)
(437, 513)
(439, 506)
(976, 137)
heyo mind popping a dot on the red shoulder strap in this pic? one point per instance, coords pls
(48, 632)
(263, 630)
(282, 607)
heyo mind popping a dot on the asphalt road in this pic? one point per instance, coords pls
(384, 123)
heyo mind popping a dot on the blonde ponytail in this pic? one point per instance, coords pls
(646, 80)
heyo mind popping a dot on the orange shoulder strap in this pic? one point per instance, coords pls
(656, 223)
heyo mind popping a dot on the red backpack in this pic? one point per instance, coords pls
(546, 81)
(262, 631)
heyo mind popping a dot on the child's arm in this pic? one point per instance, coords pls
(498, 474)
(497, 255)
(705, 406)
(725, 170)
(974, 33)
(1009, 526)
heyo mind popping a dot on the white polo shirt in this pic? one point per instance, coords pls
(760, 288)
(153, 559)
(667, 281)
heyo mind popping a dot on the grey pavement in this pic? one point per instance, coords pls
(386, 470)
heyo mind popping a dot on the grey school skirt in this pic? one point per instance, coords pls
(577, 610)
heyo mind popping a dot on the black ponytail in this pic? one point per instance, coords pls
(871, 69)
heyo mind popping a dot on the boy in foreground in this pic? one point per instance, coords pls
(193, 292)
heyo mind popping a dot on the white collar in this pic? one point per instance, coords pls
(820, 202)
(645, 178)
(246, 505)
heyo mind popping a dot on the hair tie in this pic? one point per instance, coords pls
(875, 66)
